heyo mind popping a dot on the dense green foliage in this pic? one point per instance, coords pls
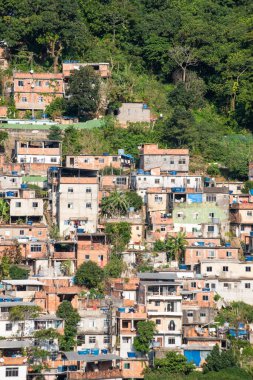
(18, 273)
(174, 363)
(71, 319)
(247, 186)
(119, 235)
(89, 274)
(235, 313)
(173, 245)
(225, 374)
(55, 133)
(114, 267)
(190, 61)
(219, 359)
(145, 334)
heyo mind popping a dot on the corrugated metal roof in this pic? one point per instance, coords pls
(157, 276)
(15, 343)
(22, 282)
(12, 304)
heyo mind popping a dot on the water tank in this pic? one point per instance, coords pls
(29, 222)
(227, 244)
(94, 351)
(24, 186)
(145, 106)
(122, 309)
(183, 266)
(131, 355)
(248, 258)
(147, 173)
(14, 172)
(140, 171)
(104, 351)
(53, 169)
(10, 193)
(121, 151)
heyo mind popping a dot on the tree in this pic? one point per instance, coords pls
(89, 274)
(114, 267)
(119, 235)
(83, 93)
(4, 211)
(55, 133)
(173, 245)
(115, 204)
(184, 56)
(134, 200)
(71, 319)
(72, 142)
(247, 186)
(218, 360)
(236, 312)
(18, 273)
(145, 334)
(173, 363)
(5, 267)
(65, 267)
(56, 109)
(46, 334)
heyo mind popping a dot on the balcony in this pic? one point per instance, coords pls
(99, 375)
(163, 295)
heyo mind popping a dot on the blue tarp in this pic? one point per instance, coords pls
(195, 198)
(196, 356)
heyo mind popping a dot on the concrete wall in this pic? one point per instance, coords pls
(133, 113)
(26, 207)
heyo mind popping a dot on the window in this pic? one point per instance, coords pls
(248, 269)
(188, 181)
(193, 284)
(210, 228)
(106, 322)
(207, 285)
(115, 159)
(24, 99)
(87, 257)
(47, 84)
(121, 181)
(247, 285)
(225, 269)
(249, 213)
(242, 227)
(163, 228)
(211, 254)
(157, 180)
(53, 159)
(70, 190)
(70, 205)
(18, 204)
(86, 160)
(126, 365)
(92, 339)
(106, 339)
(157, 303)
(173, 181)
(209, 269)
(20, 83)
(203, 315)
(88, 190)
(38, 83)
(225, 285)
(198, 253)
(8, 327)
(205, 298)
(172, 326)
(182, 161)
(88, 205)
(35, 204)
(21, 232)
(211, 215)
(211, 198)
(172, 161)
(158, 321)
(189, 314)
(36, 248)
(40, 99)
(213, 286)
(158, 199)
(229, 254)
(11, 372)
(126, 339)
(101, 160)
(171, 341)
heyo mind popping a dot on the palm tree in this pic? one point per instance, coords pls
(4, 211)
(175, 246)
(115, 204)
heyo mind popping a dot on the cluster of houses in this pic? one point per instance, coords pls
(181, 298)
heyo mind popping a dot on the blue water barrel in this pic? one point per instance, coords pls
(94, 351)
(227, 244)
(84, 352)
(14, 172)
(147, 173)
(131, 355)
(122, 309)
(178, 189)
(24, 186)
(248, 258)
(172, 172)
(80, 230)
(10, 193)
(53, 169)
(145, 106)
(30, 223)
(201, 243)
(104, 351)
(183, 266)
(140, 171)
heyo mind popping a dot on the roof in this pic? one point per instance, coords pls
(152, 149)
(28, 75)
(90, 124)
(22, 282)
(219, 190)
(34, 178)
(12, 304)
(71, 355)
(157, 276)
(11, 344)
(49, 317)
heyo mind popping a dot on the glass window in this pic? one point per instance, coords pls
(8, 327)
(225, 269)
(171, 341)
(126, 365)
(40, 99)
(88, 205)
(20, 83)
(21, 232)
(249, 213)
(172, 326)
(248, 269)
(18, 204)
(70, 190)
(101, 160)
(11, 372)
(202, 315)
(209, 269)
(157, 303)
(157, 180)
(115, 159)
(36, 248)
(247, 285)
(38, 83)
(92, 339)
(88, 190)
(158, 321)
(70, 205)
(193, 284)
(229, 254)
(126, 339)
(35, 204)
(106, 339)
(121, 181)
(24, 99)
(205, 298)
(182, 161)
(210, 228)
(53, 159)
